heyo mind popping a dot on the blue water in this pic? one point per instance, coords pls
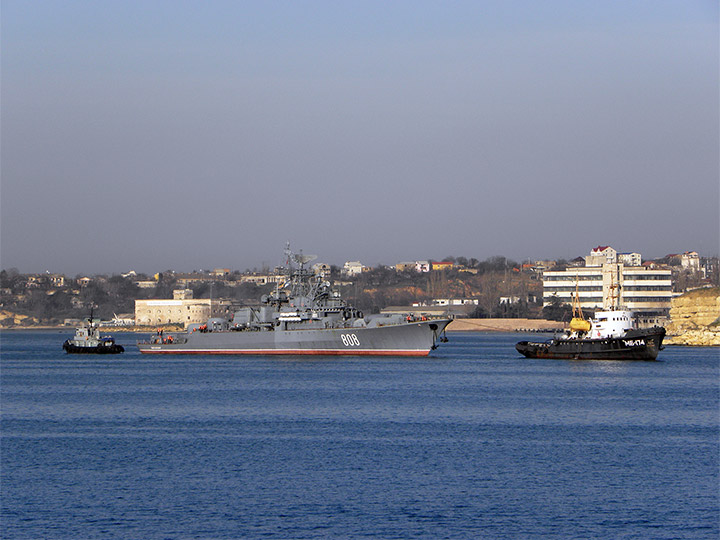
(473, 442)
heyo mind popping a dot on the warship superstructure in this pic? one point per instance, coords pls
(303, 316)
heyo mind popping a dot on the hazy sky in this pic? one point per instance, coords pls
(154, 135)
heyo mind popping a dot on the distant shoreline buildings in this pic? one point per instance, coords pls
(459, 284)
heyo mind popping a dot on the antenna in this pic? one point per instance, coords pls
(288, 253)
(304, 259)
(614, 293)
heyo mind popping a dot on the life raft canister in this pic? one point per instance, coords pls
(579, 325)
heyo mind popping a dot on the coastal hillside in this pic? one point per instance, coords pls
(695, 318)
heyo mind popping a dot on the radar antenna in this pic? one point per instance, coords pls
(303, 259)
(297, 258)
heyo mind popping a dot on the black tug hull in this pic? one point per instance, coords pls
(634, 345)
(99, 349)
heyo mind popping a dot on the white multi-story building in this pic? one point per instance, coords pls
(607, 255)
(453, 302)
(690, 260)
(630, 259)
(601, 255)
(645, 291)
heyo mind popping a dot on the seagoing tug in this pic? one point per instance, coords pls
(87, 340)
(611, 335)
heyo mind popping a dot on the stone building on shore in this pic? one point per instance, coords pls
(182, 309)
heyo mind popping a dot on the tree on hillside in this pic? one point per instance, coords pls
(13, 280)
(121, 286)
(47, 307)
(557, 310)
(479, 313)
(515, 310)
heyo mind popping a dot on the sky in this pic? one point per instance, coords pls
(154, 135)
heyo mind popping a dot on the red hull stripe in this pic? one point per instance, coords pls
(262, 352)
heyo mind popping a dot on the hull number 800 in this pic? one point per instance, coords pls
(350, 340)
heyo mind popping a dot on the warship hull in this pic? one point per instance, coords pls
(634, 345)
(408, 339)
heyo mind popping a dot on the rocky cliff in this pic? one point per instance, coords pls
(8, 319)
(695, 318)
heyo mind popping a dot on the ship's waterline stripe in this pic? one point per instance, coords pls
(328, 352)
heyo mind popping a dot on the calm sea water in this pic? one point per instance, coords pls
(473, 442)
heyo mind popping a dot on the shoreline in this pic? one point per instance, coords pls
(504, 325)
(686, 339)
(457, 325)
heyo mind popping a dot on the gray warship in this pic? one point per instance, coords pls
(303, 316)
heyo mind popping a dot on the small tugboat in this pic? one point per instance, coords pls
(611, 335)
(87, 340)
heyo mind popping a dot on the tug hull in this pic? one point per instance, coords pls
(634, 345)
